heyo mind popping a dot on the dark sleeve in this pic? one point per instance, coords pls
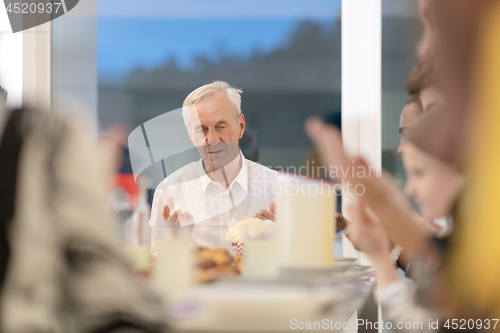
(10, 149)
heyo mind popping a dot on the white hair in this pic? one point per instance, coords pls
(234, 95)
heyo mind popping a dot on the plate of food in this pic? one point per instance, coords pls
(213, 265)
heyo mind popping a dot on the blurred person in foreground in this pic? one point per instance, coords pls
(61, 269)
(425, 97)
(384, 199)
(463, 39)
(208, 197)
(435, 186)
(460, 31)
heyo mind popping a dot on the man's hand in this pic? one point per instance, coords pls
(177, 218)
(267, 214)
(342, 223)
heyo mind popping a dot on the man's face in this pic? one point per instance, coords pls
(215, 131)
(409, 116)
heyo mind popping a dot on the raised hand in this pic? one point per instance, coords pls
(381, 193)
(267, 214)
(177, 219)
(367, 234)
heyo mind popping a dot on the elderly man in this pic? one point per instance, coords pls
(207, 197)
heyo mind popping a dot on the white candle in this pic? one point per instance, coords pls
(305, 215)
(174, 272)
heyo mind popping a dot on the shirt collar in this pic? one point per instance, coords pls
(241, 177)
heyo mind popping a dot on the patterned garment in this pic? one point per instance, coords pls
(63, 272)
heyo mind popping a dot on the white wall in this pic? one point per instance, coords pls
(361, 93)
(361, 85)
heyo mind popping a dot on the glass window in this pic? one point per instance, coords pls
(400, 35)
(285, 55)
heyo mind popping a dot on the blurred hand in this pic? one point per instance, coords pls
(177, 219)
(267, 214)
(328, 141)
(381, 194)
(427, 224)
(367, 234)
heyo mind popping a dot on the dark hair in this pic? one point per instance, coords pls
(420, 78)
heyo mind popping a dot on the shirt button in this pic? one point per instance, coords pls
(225, 225)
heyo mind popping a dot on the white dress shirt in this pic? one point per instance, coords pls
(214, 208)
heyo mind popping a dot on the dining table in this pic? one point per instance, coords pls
(312, 299)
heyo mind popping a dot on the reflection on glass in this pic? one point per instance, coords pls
(286, 59)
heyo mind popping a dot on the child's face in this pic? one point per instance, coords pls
(433, 184)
